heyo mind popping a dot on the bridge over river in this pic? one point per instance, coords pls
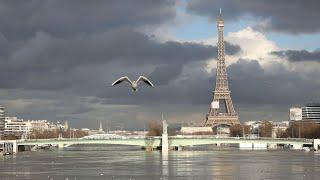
(173, 142)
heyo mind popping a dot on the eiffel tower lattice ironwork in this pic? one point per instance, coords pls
(221, 98)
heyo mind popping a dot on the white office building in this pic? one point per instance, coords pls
(295, 114)
(21, 128)
(311, 112)
(17, 127)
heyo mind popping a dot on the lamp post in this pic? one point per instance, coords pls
(242, 131)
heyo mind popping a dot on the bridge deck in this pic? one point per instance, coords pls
(173, 141)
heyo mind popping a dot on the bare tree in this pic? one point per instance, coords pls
(239, 130)
(154, 129)
(74, 133)
(265, 129)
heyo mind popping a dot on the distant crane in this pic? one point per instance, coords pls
(134, 84)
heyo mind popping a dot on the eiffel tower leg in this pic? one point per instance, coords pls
(229, 106)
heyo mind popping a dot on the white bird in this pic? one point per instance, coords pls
(134, 84)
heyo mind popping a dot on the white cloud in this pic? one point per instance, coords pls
(254, 45)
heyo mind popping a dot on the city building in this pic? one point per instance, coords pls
(253, 124)
(58, 126)
(2, 120)
(42, 125)
(295, 114)
(311, 112)
(94, 131)
(17, 127)
(23, 128)
(196, 130)
(39, 125)
(279, 127)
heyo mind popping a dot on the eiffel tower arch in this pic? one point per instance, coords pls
(221, 111)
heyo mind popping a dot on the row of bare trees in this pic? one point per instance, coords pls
(301, 129)
(264, 130)
(9, 137)
(47, 134)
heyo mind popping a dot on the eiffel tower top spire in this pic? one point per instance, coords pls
(220, 22)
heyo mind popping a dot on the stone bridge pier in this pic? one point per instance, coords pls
(60, 146)
(316, 144)
(164, 140)
(12, 146)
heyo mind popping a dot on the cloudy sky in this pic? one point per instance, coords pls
(59, 58)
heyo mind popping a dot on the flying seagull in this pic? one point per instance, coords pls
(134, 84)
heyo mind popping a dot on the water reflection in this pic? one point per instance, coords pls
(165, 165)
(117, 163)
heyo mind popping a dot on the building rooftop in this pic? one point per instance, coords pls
(313, 105)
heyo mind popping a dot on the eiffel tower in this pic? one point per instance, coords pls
(221, 110)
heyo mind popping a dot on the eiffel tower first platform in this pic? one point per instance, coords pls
(221, 110)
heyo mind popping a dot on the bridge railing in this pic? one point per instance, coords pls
(171, 137)
(89, 139)
(240, 138)
(51, 139)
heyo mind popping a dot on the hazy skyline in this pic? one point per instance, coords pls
(59, 58)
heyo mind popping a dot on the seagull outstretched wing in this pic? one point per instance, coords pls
(146, 80)
(120, 80)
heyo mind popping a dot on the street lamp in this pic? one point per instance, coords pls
(242, 131)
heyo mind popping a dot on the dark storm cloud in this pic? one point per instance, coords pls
(46, 44)
(21, 19)
(45, 58)
(231, 49)
(249, 84)
(164, 74)
(293, 16)
(252, 84)
(299, 55)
